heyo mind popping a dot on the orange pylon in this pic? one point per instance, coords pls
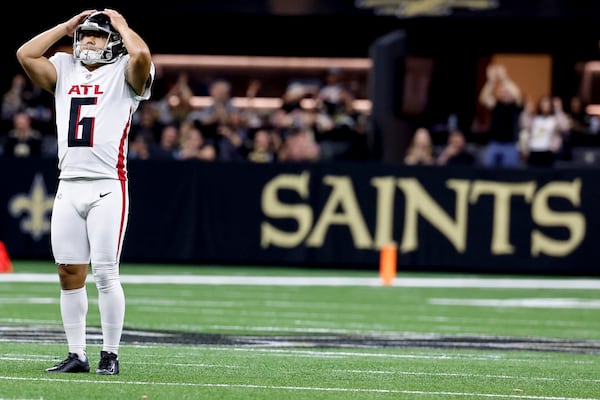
(388, 259)
(5, 263)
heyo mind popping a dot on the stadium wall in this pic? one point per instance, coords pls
(334, 215)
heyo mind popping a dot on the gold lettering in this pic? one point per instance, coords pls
(384, 219)
(419, 202)
(544, 216)
(342, 208)
(272, 207)
(342, 198)
(503, 193)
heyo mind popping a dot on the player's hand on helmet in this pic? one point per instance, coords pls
(116, 19)
(74, 22)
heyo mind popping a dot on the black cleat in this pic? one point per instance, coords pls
(108, 365)
(71, 364)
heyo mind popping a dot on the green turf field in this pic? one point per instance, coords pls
(208, 332)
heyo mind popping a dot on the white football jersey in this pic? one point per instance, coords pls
(93, 117)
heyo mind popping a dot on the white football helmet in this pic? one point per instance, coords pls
(99, 24)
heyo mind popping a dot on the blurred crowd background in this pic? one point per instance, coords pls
(477, 111)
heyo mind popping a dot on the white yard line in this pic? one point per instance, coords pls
(302, 388)
(475, 282)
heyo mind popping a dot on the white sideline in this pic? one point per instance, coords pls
(475, 282)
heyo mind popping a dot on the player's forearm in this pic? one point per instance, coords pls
(135, 45)
(140, 59)
(40, 44)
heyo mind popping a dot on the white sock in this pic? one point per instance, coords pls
(111, 302)
(73, 309)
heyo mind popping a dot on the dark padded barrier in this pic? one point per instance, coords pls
(332, 215)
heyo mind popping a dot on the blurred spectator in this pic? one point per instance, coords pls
(456, 152)
(292, 98)
(543, 128)
(251, 116)
(22, 139)
(291, 117)
(299, 145)
(220, 111)
(579, 119)
(146, 122)
(340, 128)
(168, 145)
(231, 140)
(193, 146)
(174, 106)
(40, 106)
(13, 100)
(139, 148)
(263, 149)
(420, 149)
(501, 95)
(23, 96)
(330, 93)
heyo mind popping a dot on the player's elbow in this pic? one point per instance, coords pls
(21, 55)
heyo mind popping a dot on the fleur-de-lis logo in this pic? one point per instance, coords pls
(36, 204)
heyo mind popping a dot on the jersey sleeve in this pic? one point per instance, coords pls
(148, 91)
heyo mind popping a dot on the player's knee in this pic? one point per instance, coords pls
(106, 276)
(72, 276)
